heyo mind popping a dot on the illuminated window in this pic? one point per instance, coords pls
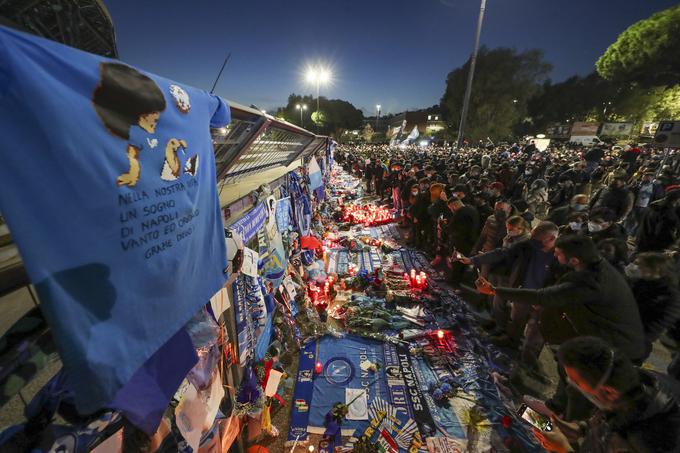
(429, 117)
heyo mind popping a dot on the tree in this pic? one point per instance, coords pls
(292, 114)
(503, 83)
(575, 99)
(336, 115)
(646, 52)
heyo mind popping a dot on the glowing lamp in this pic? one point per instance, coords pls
(440, 334)
(318, 367)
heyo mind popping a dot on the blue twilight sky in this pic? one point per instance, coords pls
(396, 53)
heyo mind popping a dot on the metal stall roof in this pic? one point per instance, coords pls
(254, 142)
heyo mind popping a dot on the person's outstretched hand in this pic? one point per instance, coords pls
(484, 287)
(553, 440)
(461, 259)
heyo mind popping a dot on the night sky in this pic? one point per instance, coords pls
(395, 53)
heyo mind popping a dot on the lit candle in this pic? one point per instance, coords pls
(440, 334)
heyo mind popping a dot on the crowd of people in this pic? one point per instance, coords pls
(574, 249)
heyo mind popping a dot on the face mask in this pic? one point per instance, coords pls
(499, 214)
(632, 271)
(594, 227)
(414, 192)
(528, 172)
(580, 207)
(575, 226)
(514, 233)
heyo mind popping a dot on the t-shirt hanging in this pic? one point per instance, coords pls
(108, 186)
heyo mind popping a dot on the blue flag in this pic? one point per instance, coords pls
(315, 177)
(108, 187)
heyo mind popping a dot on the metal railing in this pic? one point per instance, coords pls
(254, 142)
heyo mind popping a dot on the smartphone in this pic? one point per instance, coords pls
(534, 418)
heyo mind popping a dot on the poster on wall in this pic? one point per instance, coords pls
(616, 129)
(582, 128)
(251, 315)
(558, 131)
(125, 159)
(272, 253)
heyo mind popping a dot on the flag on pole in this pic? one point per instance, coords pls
(413, 136)
(315, 180)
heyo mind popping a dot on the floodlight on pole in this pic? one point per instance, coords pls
(471, 74)
(320, 76)
(301, 108)
(377, 118)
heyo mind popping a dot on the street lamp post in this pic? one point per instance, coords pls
(301, 108)
(471, 74)
(318, 75)
(377, 118)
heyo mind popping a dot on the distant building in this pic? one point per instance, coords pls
(428, 123)
(412, 119)
(435, 123)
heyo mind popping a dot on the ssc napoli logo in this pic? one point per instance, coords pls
(339, 371)
(181, 98)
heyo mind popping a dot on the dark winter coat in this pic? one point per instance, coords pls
(596, 301)
(659, 306)
(658, 227)
(512, 262)
(463, 229)
(618, 200)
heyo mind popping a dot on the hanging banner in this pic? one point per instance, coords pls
(558, 131)
(251, 315)
(125, 160)
(251, 221)
(272, 255)
(616, 129)
(283, 210)
(581, 128)
(315, 179)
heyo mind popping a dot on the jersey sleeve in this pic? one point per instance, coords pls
(221, 114)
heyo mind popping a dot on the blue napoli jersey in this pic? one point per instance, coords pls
(108, 186)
